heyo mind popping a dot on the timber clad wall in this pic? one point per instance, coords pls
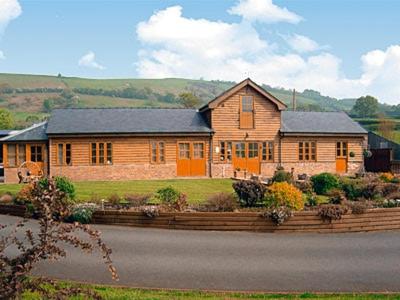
(131, 158)
(225, 121)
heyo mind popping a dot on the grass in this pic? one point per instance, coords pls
(197, 190)
(128, 293)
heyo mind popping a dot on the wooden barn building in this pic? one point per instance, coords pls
(244, 129)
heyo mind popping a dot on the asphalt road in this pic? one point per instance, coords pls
(152, 258)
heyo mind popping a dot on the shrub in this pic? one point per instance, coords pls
(6, 198)
(358, 207)
(62, 183)
(114, 199)
(311, 199)
(221, 202)
(336, 196)
(24, 195)
(395, 180)
(389, 203)
(282, 176)
(353, 188)
(305, 186)
(137, 200)
(329, 212)
(250, 192)
(278, 215)
(167, 195)
(324, 182)
(389, 189)
(181, 203)
(82, 213)
(284, 194)
(386, 177)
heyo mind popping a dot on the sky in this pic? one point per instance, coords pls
(342, 48)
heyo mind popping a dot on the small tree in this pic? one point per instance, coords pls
(188, 100)
(366, 107)
(34, 247)
(6, 119)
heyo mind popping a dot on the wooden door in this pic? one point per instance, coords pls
(341, 157)
(183, 159)
(191, 159)
(253, 158)
(198, 159)
(239, 156)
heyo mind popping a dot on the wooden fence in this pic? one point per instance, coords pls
(305, 221)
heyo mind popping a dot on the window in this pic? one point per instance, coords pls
(253, 150)
(184, 150)
(36, 153)
(64, 154)
(247, 103)
(101, 153)
(307, 151)
(198, 150)
(157, 152)
(240, 150)
(11, 155)
(21, 153)
(341, 149)
(225, 151)
(267, 151)
(246, 112)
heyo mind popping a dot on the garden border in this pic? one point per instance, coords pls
(305, 221)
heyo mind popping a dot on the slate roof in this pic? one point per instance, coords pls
(36, 132)
(319, 122)
(126, 120)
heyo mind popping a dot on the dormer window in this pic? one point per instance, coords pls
(246, 112)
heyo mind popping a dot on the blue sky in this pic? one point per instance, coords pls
(342, 48)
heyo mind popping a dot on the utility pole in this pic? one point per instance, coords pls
(294, 100)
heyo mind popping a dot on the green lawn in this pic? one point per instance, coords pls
(196, 189)
(140, 294)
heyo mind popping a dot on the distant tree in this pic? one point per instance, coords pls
(59, 75)
(6, 119)
(48, 105)
(366, 106)
(188, 100)
(386, 127)
(32, 119)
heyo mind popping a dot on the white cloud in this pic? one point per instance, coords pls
(176, 46)
(89, 60)
(301, 43)
(2, 56)
(263, 11)
(9, 10)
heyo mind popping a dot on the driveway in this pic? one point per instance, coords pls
(152, 258)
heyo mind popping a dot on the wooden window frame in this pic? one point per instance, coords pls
(225, 146)
(104, 156)
(64, 154)
(198, 151)
(301, 155)
(241, 111)
(158, 153)
(268, 148)
(179, 150)
(341, 148)
(15, 165)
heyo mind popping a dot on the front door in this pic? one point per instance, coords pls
(341, 157)
(191, 160)
(247, 156)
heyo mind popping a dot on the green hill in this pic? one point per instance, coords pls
(31, 97)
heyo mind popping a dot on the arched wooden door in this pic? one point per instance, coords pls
(191, 159)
